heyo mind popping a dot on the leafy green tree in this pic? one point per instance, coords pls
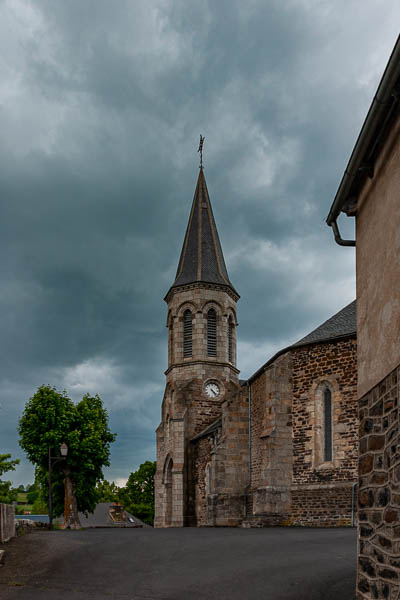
(107, 492)
(138, 494)
(39, 507)
(51, 418)
(7, 493)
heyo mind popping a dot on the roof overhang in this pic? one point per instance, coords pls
(362, 159)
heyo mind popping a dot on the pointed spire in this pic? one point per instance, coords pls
(201, 257)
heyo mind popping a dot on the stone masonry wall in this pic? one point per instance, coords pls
(221, 467)
(335, 364)
(271, 438)
(202, 457)
(379, 497)
(322, 493)
(324, 505)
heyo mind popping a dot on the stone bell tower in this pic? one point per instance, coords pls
(201, 372)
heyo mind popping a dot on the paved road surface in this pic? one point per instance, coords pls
(181, 564)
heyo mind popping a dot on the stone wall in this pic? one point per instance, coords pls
(201, 478)
(314, 366)
(271, 438)
(220, 462)
(7, 522)
(322, 491)
(324, 505)
(379, 497)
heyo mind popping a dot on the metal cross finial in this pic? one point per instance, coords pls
(201, 150)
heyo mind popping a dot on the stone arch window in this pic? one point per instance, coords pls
(171, 341)
(324, 425)
(328, 438)
(208, 478)
(211, 332)
(187, 333)
(168, 497)
(231, 330)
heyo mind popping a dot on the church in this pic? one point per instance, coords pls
(280, 448)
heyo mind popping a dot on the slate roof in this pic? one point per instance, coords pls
(101, 518)
(342, 324)
(201, 258)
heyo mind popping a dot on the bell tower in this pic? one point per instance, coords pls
(201, 371)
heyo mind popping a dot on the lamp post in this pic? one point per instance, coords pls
(52, 461)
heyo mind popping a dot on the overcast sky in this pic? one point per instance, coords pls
(101, 107)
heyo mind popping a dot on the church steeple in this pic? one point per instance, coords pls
(202, 260)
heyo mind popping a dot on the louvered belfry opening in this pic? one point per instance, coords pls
(187, 333)
(230, 340)
(211, 333)
(327, 425)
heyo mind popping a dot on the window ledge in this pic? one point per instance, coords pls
(326, 465)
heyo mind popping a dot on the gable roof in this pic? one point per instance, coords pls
(341, 325)
(201, 257)
(101, 518)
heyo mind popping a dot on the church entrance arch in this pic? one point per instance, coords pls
(168, 491)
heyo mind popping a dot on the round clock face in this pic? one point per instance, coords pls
(212, 389)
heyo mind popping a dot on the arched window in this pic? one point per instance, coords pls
(211, 333)
(208, 478)
(230, 339)
(171, 341)
(187, 333)
(327, 425)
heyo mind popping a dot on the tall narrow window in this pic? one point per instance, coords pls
(187, 333)
(211, 333)
(327, 425)
(230, 339)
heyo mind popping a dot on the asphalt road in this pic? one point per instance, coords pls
(181, 564)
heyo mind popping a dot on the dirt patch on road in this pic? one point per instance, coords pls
(30, 555)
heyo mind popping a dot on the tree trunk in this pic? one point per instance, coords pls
(71, 517)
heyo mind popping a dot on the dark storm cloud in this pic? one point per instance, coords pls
(101, 106)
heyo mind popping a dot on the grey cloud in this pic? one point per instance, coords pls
(101, 106)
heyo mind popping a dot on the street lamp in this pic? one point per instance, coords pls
(52, 461)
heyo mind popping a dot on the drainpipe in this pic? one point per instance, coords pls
(338, 238)
(352, 503)
(362, 158)
(249, 484)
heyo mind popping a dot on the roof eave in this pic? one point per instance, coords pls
(294, 347)
(200, 282)
(382, 105)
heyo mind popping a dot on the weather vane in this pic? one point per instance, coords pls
(201, 150)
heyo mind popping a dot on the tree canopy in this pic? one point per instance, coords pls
(7, 493)
(107, 492)
(51, 418)
(138, 494)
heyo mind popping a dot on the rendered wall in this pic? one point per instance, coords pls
(378, 268)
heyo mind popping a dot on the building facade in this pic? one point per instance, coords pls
(370, 191)
(278, 449)
(202, 371)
